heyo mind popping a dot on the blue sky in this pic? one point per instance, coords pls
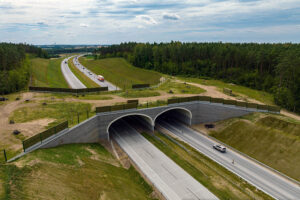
(115, 21)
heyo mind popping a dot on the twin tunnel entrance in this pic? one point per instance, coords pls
(143, 122)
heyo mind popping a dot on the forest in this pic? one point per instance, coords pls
(15, 65)
(274, 68)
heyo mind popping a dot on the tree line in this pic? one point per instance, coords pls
(15, 65)
(274, 68)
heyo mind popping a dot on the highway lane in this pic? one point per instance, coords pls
(71, 79)
(263, 178)
(93, 76)
(171, 180)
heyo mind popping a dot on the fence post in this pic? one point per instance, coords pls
(23, 146)
(4, 152)
(147, 104)
(87, 114)
(41, 138)
(78, 117)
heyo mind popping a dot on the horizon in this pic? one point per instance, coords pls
(117, 21)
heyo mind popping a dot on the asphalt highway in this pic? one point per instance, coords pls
(93, 76)
(171, 180)
(71, 79)
(263, 178)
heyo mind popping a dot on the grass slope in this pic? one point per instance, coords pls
(261, 96)
(47, 73)
(271, 140)
(60, 111)
(83, 78)
(214, 177)
(72, 172)
(120, 72)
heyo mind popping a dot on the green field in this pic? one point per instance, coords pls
(79, 171)
(83, 78)
(268, 138)
(60, 111)
(47, 73)
(120, 72)
(261, 96)
(214, 177)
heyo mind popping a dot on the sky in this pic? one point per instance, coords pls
(115, 21)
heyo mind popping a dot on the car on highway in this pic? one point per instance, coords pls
(219, 148)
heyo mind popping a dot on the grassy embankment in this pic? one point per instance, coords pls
(245, 92)
(214, 177)
(271, 139)
(71, 172)
(47, 73)
(167, 87)
(121, 73)
(83, 78)
(60, 111)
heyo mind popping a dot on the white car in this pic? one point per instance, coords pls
(220, 148)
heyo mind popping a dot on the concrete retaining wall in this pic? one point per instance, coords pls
(85, 132)
(96, 128)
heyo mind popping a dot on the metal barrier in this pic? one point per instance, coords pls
(44, 135)
(224, 101)
(68, 90)
(117, 107)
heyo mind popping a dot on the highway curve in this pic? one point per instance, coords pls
(71, 79)
(93, 76)
(263, 178)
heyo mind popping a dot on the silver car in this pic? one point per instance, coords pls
(220, 148)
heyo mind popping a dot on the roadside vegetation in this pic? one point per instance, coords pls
(214, 177)
(273, 68)
(81, 76)
(60, 111)
(121, 73)
(15, 65)
(237, 90)
(271, 139)
(78, 171)
(47, 73)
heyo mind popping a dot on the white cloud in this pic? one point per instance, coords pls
(83, 25)
(146, 19)
(149, 18)
(170, 16)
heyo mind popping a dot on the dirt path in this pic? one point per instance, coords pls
(7, 139)
(214, 92)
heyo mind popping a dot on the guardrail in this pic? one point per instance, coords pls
(39, 138)
(224, 101)
(67, 90)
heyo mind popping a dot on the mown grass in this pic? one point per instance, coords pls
(261, 96)
(269, 139)
(79, 171)
(121, 73)
(60, 111)
(88, 96)
(139, 93)
(179, 88)
(214, 177)
(81, 76)
(47, 73)
(168, 87)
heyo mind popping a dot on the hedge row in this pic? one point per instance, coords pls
(117, 107)
(137, 86)
(224, 101)
(44, 135)
(69, 90)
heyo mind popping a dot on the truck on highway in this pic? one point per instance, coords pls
(100, 78)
